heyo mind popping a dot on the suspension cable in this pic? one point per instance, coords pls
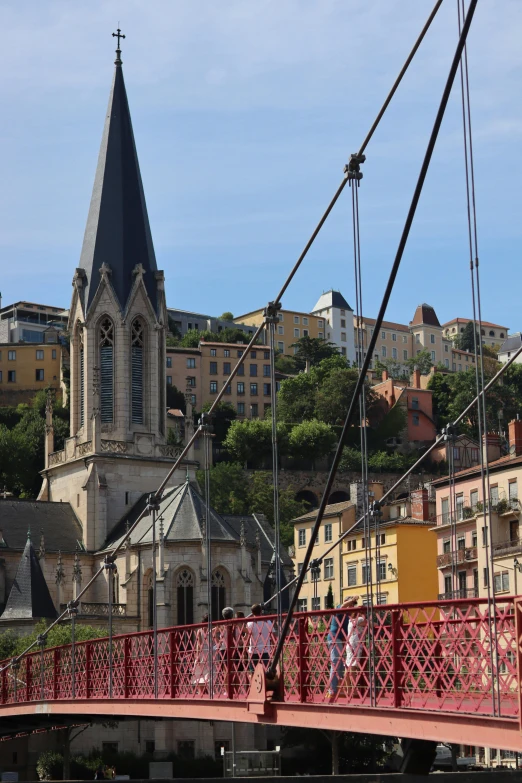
(478, 354)
(378, 323)
(271, 321)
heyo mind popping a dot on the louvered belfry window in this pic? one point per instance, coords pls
(81, 375)
(137, 371)
(107, 370)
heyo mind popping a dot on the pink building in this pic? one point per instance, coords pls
(417, 404)
(463, 519)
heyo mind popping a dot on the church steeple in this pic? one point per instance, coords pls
(118, 232)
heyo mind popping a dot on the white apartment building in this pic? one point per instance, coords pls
(333, 307)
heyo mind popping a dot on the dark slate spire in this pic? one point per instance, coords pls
(29, 597)
(118, 231)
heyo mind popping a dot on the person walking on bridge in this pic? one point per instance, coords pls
(259, 633)
(337, 640)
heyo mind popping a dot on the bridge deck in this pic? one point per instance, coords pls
(441, 670)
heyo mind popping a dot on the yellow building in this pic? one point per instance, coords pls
(405, 567)
(292, 325)
(337, 519)
(205, 370)
(26, 368)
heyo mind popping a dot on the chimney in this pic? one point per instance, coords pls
(515, 437)
(415, 379)
(420, 504)
(385, 375)
(493, 451)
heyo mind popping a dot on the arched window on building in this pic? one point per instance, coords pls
(107, 370)
(185, 597)
(219, 594)
(137, 335)
(81, 376)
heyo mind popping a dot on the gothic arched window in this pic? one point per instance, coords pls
(81, 376)
(219, 594)
(185, 596)
(137, 336)
(107, 370)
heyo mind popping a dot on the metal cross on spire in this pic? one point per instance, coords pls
(118, 34)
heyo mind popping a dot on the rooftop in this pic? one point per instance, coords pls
(425, 314)
(467, 320)
(331, 298)
(497, 465)
(513, 343)
(56, 521)
(332, 510)
(385, 324)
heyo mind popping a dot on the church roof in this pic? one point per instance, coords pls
(29, 597)
(56, 521)
(258, 523)
(118, 231)
(183, 513)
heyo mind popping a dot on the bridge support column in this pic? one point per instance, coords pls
(418, 756)
(162, 739)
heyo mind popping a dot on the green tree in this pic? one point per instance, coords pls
(296, 398)
(312, 439)
(229, 488)
(394, 368)
(350, 459)
(173, 329)
(499, 397)
(335, 394)
(441, 387)
(466, 339)
(422, 361)
(312, 350)
(285, 364)
(233, 335)
(250, 440)
(329, 602)
(175, 398)
(227, 316)
(222, 417)
(192, 338)
(261, 500)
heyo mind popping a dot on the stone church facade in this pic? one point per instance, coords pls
(117, 453)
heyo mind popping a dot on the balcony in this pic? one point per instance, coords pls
(468, 592)
(511, 547)
(460, 556)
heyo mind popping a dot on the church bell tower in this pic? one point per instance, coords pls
(117, 448)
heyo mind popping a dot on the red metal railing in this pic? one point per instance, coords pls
(436, 656)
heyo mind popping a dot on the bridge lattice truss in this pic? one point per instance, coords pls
(429, 675)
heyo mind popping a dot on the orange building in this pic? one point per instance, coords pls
(417, 403)
(205, 370)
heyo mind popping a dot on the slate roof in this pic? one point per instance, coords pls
(512, 343)
(58, 522)
(254, 523)
(183, 511)
(331, 299)
(393, 522)
(330, 511)
(29, 597)
(425, 314)
(118, 231)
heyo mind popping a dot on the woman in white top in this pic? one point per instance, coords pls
(259, 633)
(354, 646)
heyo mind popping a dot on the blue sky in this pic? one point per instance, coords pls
(245, 112)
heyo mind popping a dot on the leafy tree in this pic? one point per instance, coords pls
(235, 335)
(394, 368)
(329, 603)
(175, 398)
(285, 364)
(261, 500)
(466, 339)
(192, 338)
(229, 489)
(422, 361)
(313, 350)
(250, 440)
(312, 439)
(296, 398)
(499, 397)
(335, 394)
(173, 329)
(441, 386)
(223, 416)
(351, 459)
(227, 316)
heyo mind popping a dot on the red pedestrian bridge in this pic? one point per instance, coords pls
(445, 671)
